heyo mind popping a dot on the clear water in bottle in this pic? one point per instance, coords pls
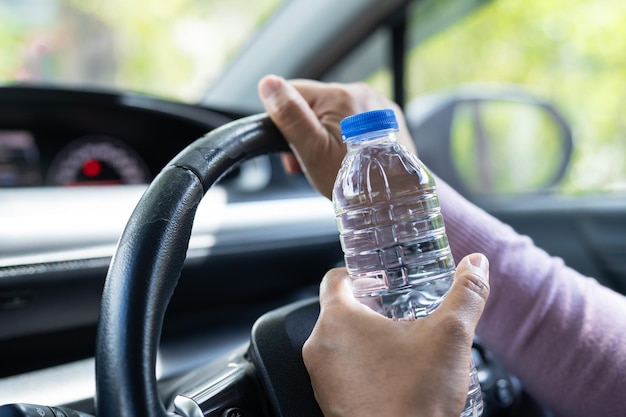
(391, 227)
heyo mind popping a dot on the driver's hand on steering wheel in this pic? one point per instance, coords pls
(362, 364)
(308, 114)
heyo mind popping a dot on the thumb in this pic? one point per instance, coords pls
(288, 110)
(469, 292)
(303, 130)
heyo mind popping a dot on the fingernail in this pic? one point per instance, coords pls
(479, 260)
(269, 87)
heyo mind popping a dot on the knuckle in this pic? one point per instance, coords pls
(342, 95)
(476, 281)
(308, 350)
(285, 112)
(456, 327)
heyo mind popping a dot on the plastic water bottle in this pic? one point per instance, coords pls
(391, 228)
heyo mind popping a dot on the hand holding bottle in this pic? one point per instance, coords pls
(363, 364)
(308, 114)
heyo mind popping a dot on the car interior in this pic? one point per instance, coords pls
(155, 257)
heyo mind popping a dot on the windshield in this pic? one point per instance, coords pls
(172, 49)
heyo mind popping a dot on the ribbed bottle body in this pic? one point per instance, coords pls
(392, 231)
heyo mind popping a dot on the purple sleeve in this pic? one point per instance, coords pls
(562, 334)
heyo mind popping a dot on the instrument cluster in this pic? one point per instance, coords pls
(53, 137)
(85, 161)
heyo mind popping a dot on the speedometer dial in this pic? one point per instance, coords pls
(97, 160)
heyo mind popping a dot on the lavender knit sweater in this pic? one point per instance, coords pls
(562, 334)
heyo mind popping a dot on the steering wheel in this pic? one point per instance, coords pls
(144, 273)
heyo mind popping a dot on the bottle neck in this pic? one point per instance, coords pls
(371, 138)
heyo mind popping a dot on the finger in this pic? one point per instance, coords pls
(333, 102)
(333, 293)
(337, 300)
(348, 99)
(469, 292)
(289, 110)
(302, 128)
(335, 287)
(290, 163)
(351, 99)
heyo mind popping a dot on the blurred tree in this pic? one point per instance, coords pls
(173, 48)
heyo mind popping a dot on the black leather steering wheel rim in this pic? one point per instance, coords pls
(149, 259)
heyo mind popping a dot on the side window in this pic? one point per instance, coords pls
(370, 62)
(501, 79)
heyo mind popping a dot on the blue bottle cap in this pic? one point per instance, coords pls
(371, 121)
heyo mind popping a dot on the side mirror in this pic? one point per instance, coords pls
(487, 141)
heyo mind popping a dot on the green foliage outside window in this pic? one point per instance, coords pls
(571, 52)
(171, 48)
